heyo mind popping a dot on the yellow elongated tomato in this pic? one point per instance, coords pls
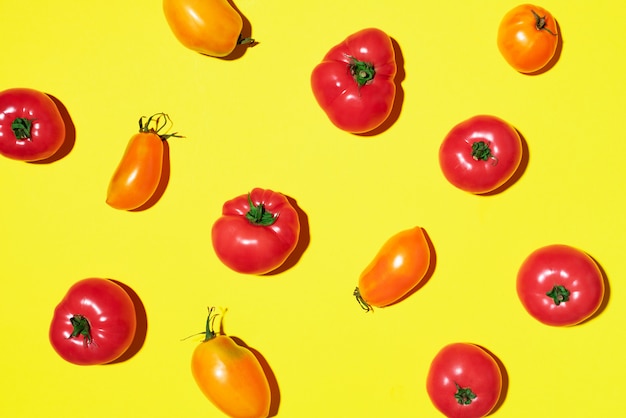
(139, 172)
(399, 266)
(230, 376)
(210, 27)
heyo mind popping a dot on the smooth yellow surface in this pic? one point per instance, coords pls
(253, 122)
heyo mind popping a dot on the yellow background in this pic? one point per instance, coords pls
(253, 122)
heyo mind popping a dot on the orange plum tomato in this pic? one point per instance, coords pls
(210, 27)
(230, 375)
(139, 172)
(464, 381)
(354, 84)
(95, 323)
(400, 264)
(480, 154)
(560, 285)
(528, 38)
(31, 126)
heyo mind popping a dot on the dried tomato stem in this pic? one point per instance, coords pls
(540, 23)
(158, 126)
(366, 306)
(21, 128)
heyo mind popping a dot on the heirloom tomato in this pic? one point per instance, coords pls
(354, 84)
(210, 27)
(256, 232)
(528, 38)
(400, 264)
(95, 323)
(560, 285)
(480, 154)
(139, 172)
(230, 375)
(464, 381)
(31, 126)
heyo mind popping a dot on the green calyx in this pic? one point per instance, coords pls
(362, 72)
(257, 214)
(366, 306)
(540, 23)
(464, 396)
(481, 151)
(21, 128)
(559, 293)
(155, 123)
(81, 327)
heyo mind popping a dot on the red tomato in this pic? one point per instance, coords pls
(31, 126)
(139, 172)
(528, 38)
(480, 154)
(230, 375)
(354, 84)
(560, 285)
(397, 268)
(210, 27)
(95, 322)
(256, 232)
(464, 381)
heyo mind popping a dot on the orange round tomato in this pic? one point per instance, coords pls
(399, 266)
(210, 27)
(139, 172)
(230, 375)
(528, 38)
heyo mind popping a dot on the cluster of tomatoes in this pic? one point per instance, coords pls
(258, 231)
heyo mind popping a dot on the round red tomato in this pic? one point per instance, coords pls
(31, 126)
(480, 154)
(95, 323)
(528, 38)
(354, 84)
(256, 232)
(560, 285)
(464, 381)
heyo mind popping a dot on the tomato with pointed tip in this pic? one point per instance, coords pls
(398, 267)
(230, 375)
(560, 285)
(528, 38)
(95, 323)
(464, 381)
(257, 232)
(31, 125)
(139, 172)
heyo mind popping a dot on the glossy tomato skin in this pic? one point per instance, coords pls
(46, 133)
(110, 314)
(400, 264)
(480, 154)
(528, 38)
(210, 27)
(578, 280)
(349, 105)
(231, 377)
(252, 248)
(464, 381)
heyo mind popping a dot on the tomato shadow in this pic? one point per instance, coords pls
(519, 172)
(142, 325)
(429, 273)
(163, 182)
(246, 32)
(303, 241)
(70, 134)
(555, 58)
(605, 298)
(505, 380)
(399, 99)
(269, 374)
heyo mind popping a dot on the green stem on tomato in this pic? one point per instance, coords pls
(210, 325)
(464, 396)
(366, 306)
(362, 72)
(21, 128)
(81, 326)
(245, 41)
(540, 23)
(481, 151)
(146, 128)
(257, 215)
(559, 293)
